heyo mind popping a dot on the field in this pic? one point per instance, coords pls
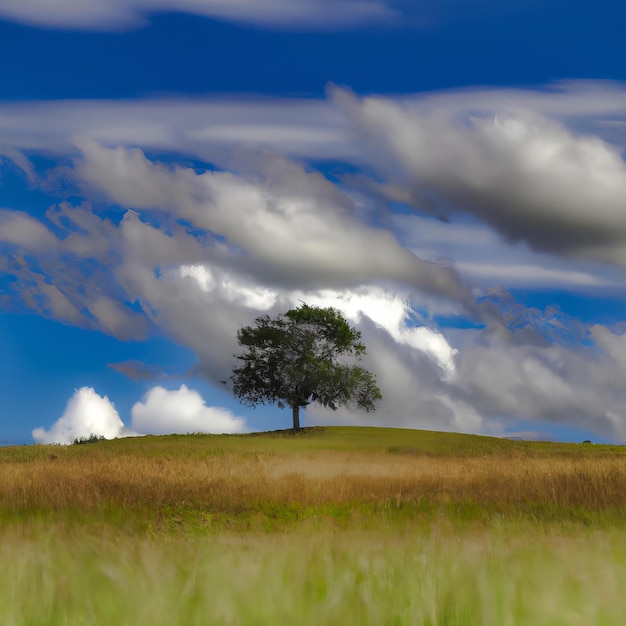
(330, 526)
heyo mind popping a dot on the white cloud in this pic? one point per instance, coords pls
(532, 275)
(86, 414)
(235, 291)
(308, 128)
(182, 411)
(390, 311)
(125, 14)
(159, 412)
(540, 166)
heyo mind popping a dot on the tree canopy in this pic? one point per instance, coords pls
(302, 356)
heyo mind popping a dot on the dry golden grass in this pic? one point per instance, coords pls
(232, 483)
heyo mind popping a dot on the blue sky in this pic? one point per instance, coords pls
(449, 174)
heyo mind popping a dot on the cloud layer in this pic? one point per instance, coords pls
(494, 189)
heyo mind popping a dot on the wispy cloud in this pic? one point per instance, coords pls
(485, 258)
(128, 14)
(207, 128)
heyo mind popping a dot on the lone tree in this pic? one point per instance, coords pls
(301, 357)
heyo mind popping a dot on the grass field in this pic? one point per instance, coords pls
(331, 526)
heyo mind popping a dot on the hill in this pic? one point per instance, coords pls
(332, 438)
(276, 479)
(329, 526)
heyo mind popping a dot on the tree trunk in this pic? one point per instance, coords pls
(295, 409)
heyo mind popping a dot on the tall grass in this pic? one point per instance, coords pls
(508, 576)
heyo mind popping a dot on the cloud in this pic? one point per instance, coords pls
(306, 128)
(86, 414)
(182, 411)
(482, 257)
(159, 412)
(499, 380)
(137, 370)
(292, 227)
(528, 176)
(417, 387)
(20, 160)
(20, 229)
(542, 167)
(207, 128)
(68, 274)
(389, 311)
(529, 182)
(575, 385)
(128, 14)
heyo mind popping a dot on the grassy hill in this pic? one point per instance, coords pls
(367, 526)
(332, 438)
(269, 480)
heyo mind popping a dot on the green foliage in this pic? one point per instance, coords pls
(90, 439)
(300, 357)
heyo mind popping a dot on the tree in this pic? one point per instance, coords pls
(300, 357)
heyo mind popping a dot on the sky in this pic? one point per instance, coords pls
(450, 175)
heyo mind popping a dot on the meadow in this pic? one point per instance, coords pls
(329, 526)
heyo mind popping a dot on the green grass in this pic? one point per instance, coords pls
(366, 439)
(509, 576)
(339, 439)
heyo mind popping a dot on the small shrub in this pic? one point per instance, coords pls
(90, 439)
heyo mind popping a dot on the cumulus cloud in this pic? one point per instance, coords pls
(86, 413)
(126, 14)
(182, 411)
(388, 310)
(159, 412)
(391, 312)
